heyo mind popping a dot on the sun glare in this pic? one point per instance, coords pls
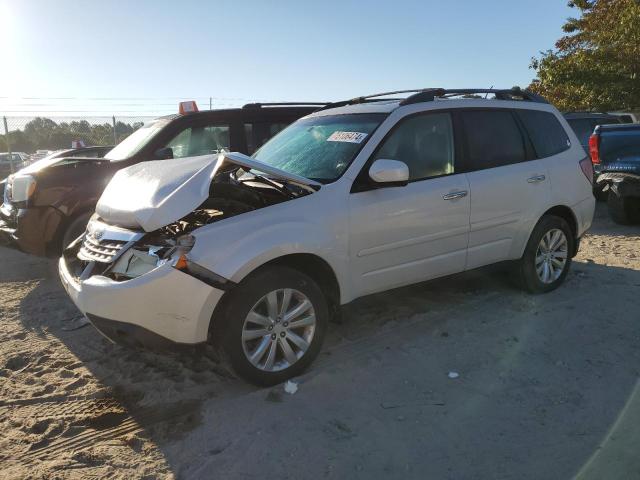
(7, 29)
(8, 45)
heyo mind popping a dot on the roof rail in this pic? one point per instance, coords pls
(430, 94)
(285, 104)
(369, 98)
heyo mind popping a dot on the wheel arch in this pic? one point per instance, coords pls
(308, 263)
(567, 214)
(54, 245)
(315, 267)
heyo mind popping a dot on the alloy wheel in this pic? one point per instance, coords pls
(278, 330)
(551, 256)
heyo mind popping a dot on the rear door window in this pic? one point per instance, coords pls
(545, 131)
(202, 140)
(493, 139)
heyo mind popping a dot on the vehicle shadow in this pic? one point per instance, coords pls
(541, 375)
(604, 225)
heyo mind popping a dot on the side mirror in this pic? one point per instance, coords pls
(391, 173)
(163, 153)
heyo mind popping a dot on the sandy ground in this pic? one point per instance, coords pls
(547, 386)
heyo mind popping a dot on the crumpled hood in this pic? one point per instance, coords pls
(150, 195)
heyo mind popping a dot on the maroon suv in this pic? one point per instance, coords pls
(62, 194)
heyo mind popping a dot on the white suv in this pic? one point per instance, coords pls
(257, 253)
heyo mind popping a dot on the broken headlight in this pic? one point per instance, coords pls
(151, 253)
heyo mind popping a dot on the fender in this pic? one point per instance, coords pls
(239, 255)
(520, 243)
(314, 224)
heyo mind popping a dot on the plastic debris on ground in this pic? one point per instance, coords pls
(290, 387)
(76, 323)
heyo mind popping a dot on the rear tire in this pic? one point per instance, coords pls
(623, 210)
(547, 257)
(268, 346)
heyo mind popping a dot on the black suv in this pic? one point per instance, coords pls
(583, 123)
(615, 153)
(60, 196)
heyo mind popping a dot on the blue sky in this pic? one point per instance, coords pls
(145, 55)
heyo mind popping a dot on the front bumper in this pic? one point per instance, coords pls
(161, 307)
(7, 235)
(7, 227)
(30, 230)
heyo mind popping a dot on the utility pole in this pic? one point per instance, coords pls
(6, 139)
(210, 103)
(115, 135)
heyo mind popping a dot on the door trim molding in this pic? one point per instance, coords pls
(413, 241)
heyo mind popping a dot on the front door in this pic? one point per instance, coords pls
(403, 235)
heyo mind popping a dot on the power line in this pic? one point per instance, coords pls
(240, 99)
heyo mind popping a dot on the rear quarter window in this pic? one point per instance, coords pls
(545, 131)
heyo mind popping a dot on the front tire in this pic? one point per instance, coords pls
(274, 325)
(547, 257)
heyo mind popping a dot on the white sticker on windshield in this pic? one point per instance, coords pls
(350, 137)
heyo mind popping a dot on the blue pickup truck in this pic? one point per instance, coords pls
(615, 154)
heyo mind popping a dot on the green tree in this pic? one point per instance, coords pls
(596, 65)
(44, 133)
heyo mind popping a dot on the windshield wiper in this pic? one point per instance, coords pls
(267, 181)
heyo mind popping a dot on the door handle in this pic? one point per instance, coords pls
(454, 195)
(536, 179)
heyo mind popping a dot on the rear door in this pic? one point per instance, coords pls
(508, 186)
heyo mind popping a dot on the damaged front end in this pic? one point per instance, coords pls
(131, 272)
(121, 254)
(129, 238)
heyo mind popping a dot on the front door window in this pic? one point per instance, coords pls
(424, 143)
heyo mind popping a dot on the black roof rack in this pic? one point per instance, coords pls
(284, 104)
(368, 98)
(430, 94)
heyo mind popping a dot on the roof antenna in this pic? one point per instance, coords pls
(487, 94)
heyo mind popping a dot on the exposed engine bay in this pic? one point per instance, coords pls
(233, 192)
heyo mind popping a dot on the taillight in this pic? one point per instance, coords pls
(587, 168)
(594, 148)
